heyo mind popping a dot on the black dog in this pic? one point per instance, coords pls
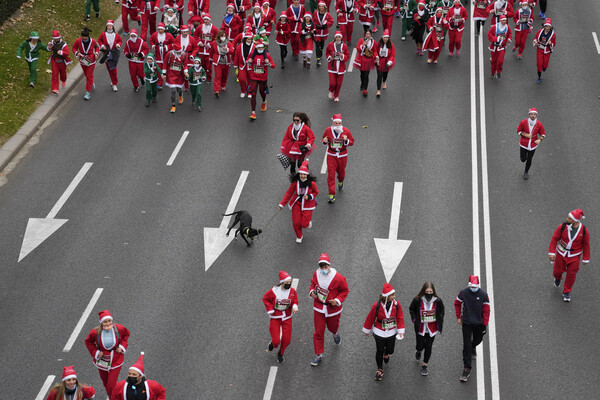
(245, 230)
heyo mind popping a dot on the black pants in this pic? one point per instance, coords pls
(472, 336)
(319, 48)
(385, 346)
(283, 51)
(526, 157)
(364, 80)
(425, 342)
(479, 25)
(381, 77)
(543, 5)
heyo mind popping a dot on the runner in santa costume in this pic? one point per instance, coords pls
(523, 23)
(269, 16)
(174, 73)
(136, 386)
(295, 14)
(198, 7)
(151, 73)
(386, 59)
(337, 53)
(129, 9)
(337, 138)
(499, 36)
(30, 49)
(434, 42)
(110, 42)
(388, 10)
(206, 36)
(86, 51)
(283, 36)
(256, 18)
(365, 59)
(345, 18)
(59, 59)
(570, 243)
(498, 8)
(242, 53)
(281, 302)
(531, 132)
(160, 44)
(544, 40)
(240, 7)
(232, 24)
(298, 141)
(135, 50)
(386, 321)
(457, 16)
(195, 75)
(148, 9)
(329, 289)
(480, 14)
(306, 40)
(69, 387)
(301, 199)
(366, 12)
(420, 19)
(222, 55)
(107, 344)
(189, 45)
(323, 21)
(259, 63)
(427, 314)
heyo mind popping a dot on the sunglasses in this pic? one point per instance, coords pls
(296, 120)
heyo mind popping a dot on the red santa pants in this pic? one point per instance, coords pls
(281, 332)
(148, 23)
(332, 323)
(521, 40)
(295, 42)
(243, 78)
(542, 60)
(335, 165)
(347, 29)
(454, 39)
(433, 55)
(207, 65)
(88, 72)
(136, 70)
(113, 75)
(300, 218)
(387, 21)
(221, 74)
(497, 61)
(58, 70)
(131, 12)
(335, 83)
(570, 265)
(109, 379)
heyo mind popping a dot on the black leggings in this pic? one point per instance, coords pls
(543, 5)
(364, 79)
(283, 51)
(381, 77)
(319, 48)
(526, 157)
(425, 342)
(479, 25)
(385, 346)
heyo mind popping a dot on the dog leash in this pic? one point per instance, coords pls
(265, 227)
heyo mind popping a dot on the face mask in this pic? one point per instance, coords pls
(474, 289)
(428, 297)
(525, 7)
(223, 39)
(71, 391)
(131, 380)
(109, 30)
(325, 271)
(287, 285)
(197, 66)
(260, 51)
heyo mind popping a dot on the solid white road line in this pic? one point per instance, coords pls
(352, 58)
(237, 192)
(270, 383)
(84, 317)
(177, 148)
(65, 196)
(41, 395)
(295, 283)
(324, 166)
(596, 41)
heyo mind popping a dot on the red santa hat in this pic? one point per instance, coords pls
(456, 1)
(139, 364)
(206, 16)
(283, 276)
(533, 110)
(176, 47)
(322, 3)
(283, 15)
(228, 5)
(502, 17)
(161, 25)
(386, 32)
(337, 118)
(184, 28)
(256, 5)
(55, 34)
(259, 43)
(324, 259)
(308, 15)
(246, 34)
(68, 373)
(387, 290)
(576, 215)
(473, 281)
(248, 26)
(548, 22)
(439, 10)
(304, 168)
(194, 19)
(338, 33)
(421, 3)
(104, 315)
(110, 22)
(523, 2)
(133, 32)
(266, 2)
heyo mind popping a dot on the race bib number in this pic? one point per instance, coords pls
(283, 304)
(388, 323)
(322, 294)
(307, 36)
(481, 5)
(561, 245)
(428, 316)
(524, 20)
(103, 363)
(337, 144)
(388, 5)
(259, 69)
(86, 61)
(197, 76)
(176, 67)
(207, 37)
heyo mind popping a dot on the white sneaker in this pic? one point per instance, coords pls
(115, 88)
(310, 225)
(299, 240)
(403, 37)
(330, 95)
(337, 99)
(242, 95)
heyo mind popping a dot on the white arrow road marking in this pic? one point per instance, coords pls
(596, 41)
(295, 283)
(351, 67)
(45, 387)
(391, 250)
(177, 148)
(270, 383)
(40, 229)
(215, 241)
(84, 317)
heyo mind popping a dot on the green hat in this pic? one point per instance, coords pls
(197, 58)
(150, 55)
(34, 35)
(262, 30)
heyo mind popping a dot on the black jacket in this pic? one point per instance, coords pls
(416, 318)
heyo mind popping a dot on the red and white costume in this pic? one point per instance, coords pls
(148, 9)
(136, 51)
(319, 20)
(241, 7)
(535, 129)
(337, 54)
(300, 198)
(328, 287)
(87, 56)
(480, 12)
(456, 17)
(241, 55)
(222, 58)
(87, 392)
(434, 41)
(523, 22)
(161, 43)
(388, 9)
(345, 17)
(129, 9)
(152, 389)
(366, 54)
(259, 64)
(498, 8)
(337, 144)
(294, 139)
(499, 37)
(269, 17)
(111, 40)
(545, 46)
(295, 17)
(284, 32)
(174, 68)
(198, 7)
(59, 59)
(281, 304)
(256, 18)
(306, 38)
(232, 24)
(366, 11)
(387, 322)
(569, 245)
(205, 35)
(386, 57)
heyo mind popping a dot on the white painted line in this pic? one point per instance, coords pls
(65, 196)
(177, 148)
(84, 317)
(270, 383)
(596, 41)
(237, 192)
(295, 283)
(395, 214)
(352, 58)
(324, 166)
(41, 395)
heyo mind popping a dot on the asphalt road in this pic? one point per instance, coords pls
(135, 229)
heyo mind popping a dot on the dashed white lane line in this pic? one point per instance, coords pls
(295, 283)
(45, 387)
(270, 383)
(596, 41)
(177, 148)
(84, 317)
(351, 67)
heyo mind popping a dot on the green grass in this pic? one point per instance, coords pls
(17, 100)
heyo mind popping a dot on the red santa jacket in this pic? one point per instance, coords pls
(345, 11)
(154, 390)
(174, 68)
(366, 10)
(506, 9)
(296, 193)
(387, 7)
(259, 65)
(161, 44)
(198, 7)
(536, 133)
(336, 145)
(337, 59)
(269, 18)
(103, 41)
(239, 58)
(480, 10)
(291, 143)
(436, 26)
(456, 18)
(332, 286)
(322, 24)
(205, 36)
(130, 4)
(283, 33)
(86, 55)
(544, 44)
(176, 4)
(95, 345)
(523, 22)
(263, 20)
(241, 7)
(562, 243)
(87, 391)
(386, 55)
(59, 58)
(387, 322)
(280, 302)
(149, 6)
(295, 20)
(190, 48)
(499, 41)
(136, 51)
(366, 54)
(233, 28)
(222, 53)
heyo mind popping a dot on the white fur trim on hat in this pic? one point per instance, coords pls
(69, 377)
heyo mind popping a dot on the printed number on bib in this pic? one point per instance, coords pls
(102, 363)
(283, 304)
(388, 323)
(322, 294)
(428, 316)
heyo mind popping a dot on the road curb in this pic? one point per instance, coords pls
(42, 113)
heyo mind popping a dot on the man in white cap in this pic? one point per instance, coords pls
(531, 132)
(567, 247)
(337, 138)
(110, 43)
(137, 387)
(472, 307)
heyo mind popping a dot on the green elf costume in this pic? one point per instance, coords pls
(261, 34)
(151, 72)
(88, 8)
(31, 47)
(195, 76)
(407, 8)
